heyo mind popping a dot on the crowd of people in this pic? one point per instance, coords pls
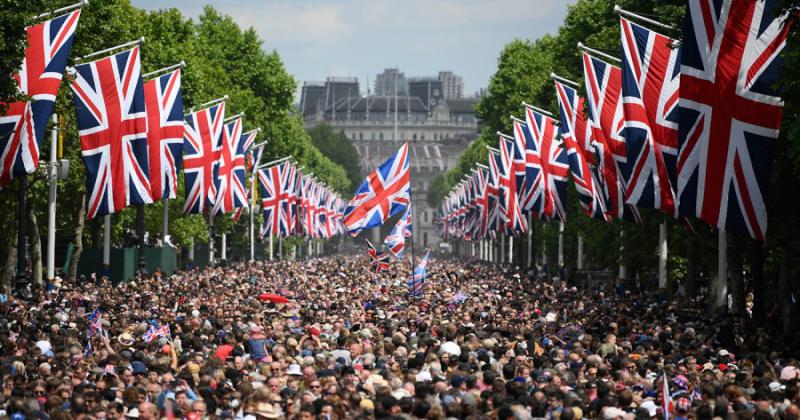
(483, 341)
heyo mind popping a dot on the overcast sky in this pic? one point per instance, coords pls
(359, 38)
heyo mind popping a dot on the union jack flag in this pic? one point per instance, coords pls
(379, 261)
(607, 120)
(730, 112)
(493, 194)
(154, 331)
(482, 204)
(95, 323)
(396, 240)
(650, 80)
(164, 101)
(24, 125)
(112, 122)
(416, 283)
(201, 148)
(274, 199)
(385, 192)
(572, 118)
(512, 214)
(547, 165)
(230, 180)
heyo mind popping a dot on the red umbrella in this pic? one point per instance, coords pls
(272, 297)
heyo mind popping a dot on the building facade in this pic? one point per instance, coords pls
(452, 85)
(437, 130)
(390, 80)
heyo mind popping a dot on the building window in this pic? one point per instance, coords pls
(415, 137)
(381, 135)
(425, 216)
(361, 136)
(425, 239)
(422, 136)
(373, 135)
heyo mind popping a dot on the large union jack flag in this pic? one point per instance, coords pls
(481, 202)
(493, 219)
(164, 102)
(275, 199)
(230, 180)
(607, 120)
(547, 165)
(112, 122)
(730, 112)
(650, 80)
(201, 146)
(23, 127)
(509, 201)
(385, 192)
(572, 121)
(396, 240)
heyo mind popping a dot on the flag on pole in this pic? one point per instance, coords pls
(730, 112)
(112, 122)
(164, 101)
(396, 240)
(666, 398)
(230, 179)
(416, 283)
(575, 136)
(274, 199)
(650, 80)
(385, 192)
(201, 146)
(378, 261)
(607, 121)
(22, 128)
(515, 222)
(547, 165)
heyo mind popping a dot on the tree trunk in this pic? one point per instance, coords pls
(36, 246)
(11, 264)
(78, 240)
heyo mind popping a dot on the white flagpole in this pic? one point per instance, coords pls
(623, 275)
(560, 245)
(530, 240)
(580, 252)
(210, 237)
(662, 255)
(270, 247)
(720, 282)
(502, 249)
(106, 241)
(165, 222)
(224, 251)
(62, 10)
(510, 250)
(52, 176)
(280, 247)
(108, 50)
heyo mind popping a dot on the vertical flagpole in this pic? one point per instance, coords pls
(191, 251)
(502, 249)
(270, 247)
(165, 222)
(251, 230)
(580, 252)
(140, 236)
(530, 240)
(51, 201)
(622, 269)
(560, 245)
(510, 250)
(210, 237)
(22, 246)
(720, 283)
(280, 247)
(106, 242)
(662, 255)
(224, 246)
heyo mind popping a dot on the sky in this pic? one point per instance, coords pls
(359, 38)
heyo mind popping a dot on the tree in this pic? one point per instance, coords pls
(338, 148)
